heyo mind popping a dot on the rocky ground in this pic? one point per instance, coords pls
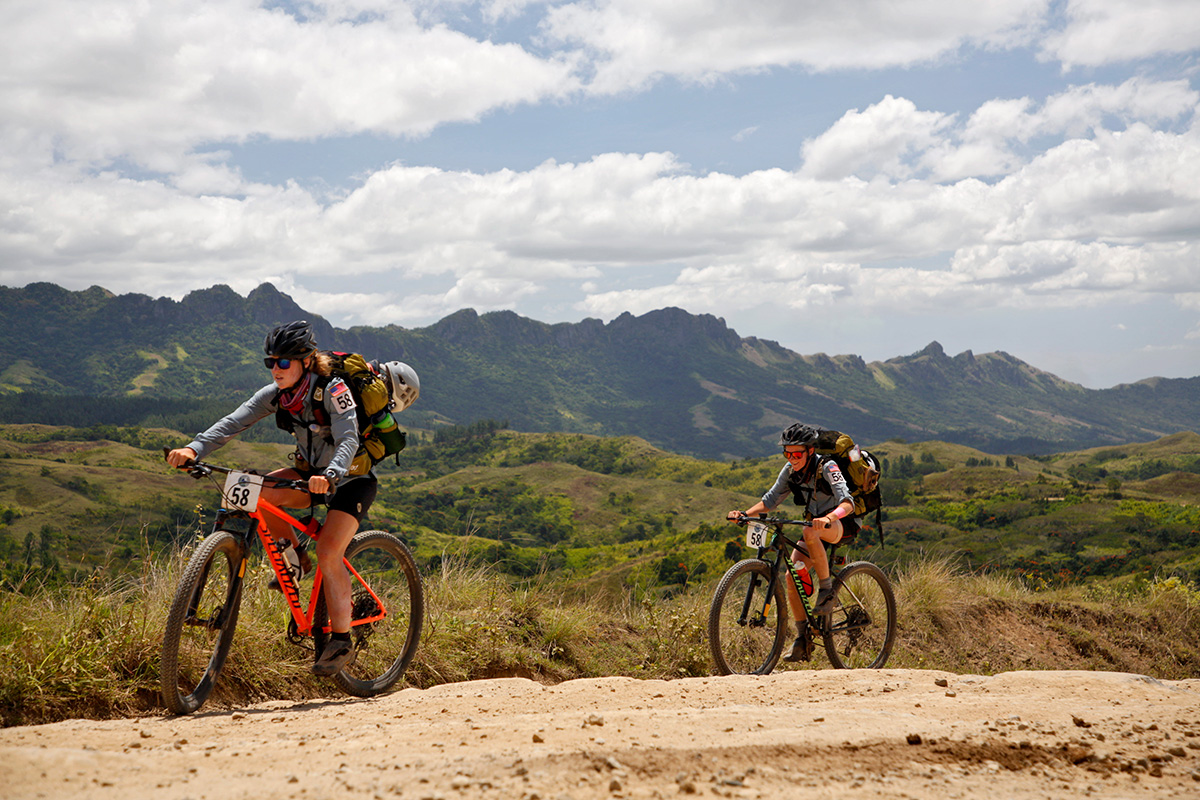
(811, 734)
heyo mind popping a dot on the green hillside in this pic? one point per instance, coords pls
(556, 556)
(686, 383)
(617, 515)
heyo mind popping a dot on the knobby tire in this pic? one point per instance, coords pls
(384, 648)
(749, 646)
(860, 632)
(201, 622)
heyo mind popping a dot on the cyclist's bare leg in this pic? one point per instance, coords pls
(813, 538)
(336, 533)
(285, 498)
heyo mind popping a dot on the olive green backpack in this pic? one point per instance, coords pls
(379, 435)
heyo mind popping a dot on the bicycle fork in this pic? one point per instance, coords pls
(760, 617)
(220, 614)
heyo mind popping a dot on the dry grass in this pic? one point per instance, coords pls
(93, 650)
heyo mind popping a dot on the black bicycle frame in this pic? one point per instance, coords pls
(778, 543)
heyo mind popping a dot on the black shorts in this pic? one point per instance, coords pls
(850, 528)
(353, 496)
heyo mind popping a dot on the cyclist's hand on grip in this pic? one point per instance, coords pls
(181, 456)
(736, 516)
(318, 484)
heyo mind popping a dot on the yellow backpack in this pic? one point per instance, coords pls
(861, 470)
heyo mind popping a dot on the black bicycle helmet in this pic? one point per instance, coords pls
(798, 434)
(291, 340)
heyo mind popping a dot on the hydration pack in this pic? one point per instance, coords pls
(370, 392)
(860, 469)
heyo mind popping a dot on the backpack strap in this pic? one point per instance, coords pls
(283, 418)
(822, 481)
(801, 494)
(320, 415)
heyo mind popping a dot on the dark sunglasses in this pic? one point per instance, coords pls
(283, 363)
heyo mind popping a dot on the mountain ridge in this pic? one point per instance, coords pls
(683, 381)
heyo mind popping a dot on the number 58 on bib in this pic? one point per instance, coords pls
(242, 490)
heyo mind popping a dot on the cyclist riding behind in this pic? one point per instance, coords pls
(819, 486)
(325, 457)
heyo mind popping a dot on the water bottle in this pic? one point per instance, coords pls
(389, 433)
(291, 559)
(805, 580)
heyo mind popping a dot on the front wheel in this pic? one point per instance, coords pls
(201, 622)
(860, 632)
(387, 612)
(746, 624)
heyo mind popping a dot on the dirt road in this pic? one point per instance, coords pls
(811, 734)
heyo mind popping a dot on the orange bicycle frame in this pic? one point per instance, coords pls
(291, 590)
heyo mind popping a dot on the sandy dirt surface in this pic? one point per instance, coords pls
(812, 734)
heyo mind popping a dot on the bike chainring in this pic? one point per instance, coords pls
(857, 619)
(300, 640)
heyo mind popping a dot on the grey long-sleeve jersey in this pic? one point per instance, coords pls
(329, 450)
(819, 501)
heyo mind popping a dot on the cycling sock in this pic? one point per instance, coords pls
(827, 583)
(341, 637)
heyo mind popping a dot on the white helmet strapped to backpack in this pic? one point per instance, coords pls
(403, 380)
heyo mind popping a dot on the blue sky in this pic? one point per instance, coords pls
(856, 177)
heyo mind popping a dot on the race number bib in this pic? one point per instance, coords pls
(343, 398)
(758, 535)
(241, 490)
(833, 473)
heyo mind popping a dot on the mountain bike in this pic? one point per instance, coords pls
(387, 598)
(748, 620)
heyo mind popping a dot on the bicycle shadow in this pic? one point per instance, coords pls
(276, 708)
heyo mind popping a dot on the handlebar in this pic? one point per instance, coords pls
(201, 469)
(742, 519)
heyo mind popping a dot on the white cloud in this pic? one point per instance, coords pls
(878, 141)
(745, 133)
(1080, 222)
(1099, 32)
(633, 42)
(106, 79)
(894, 138)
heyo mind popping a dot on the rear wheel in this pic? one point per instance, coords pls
(387, 611)
(860, 632)
(201, 622)
(745, 625)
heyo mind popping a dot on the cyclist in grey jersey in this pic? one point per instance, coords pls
(821, 489)
(326, 457)
(329, 450)
(825, 494)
